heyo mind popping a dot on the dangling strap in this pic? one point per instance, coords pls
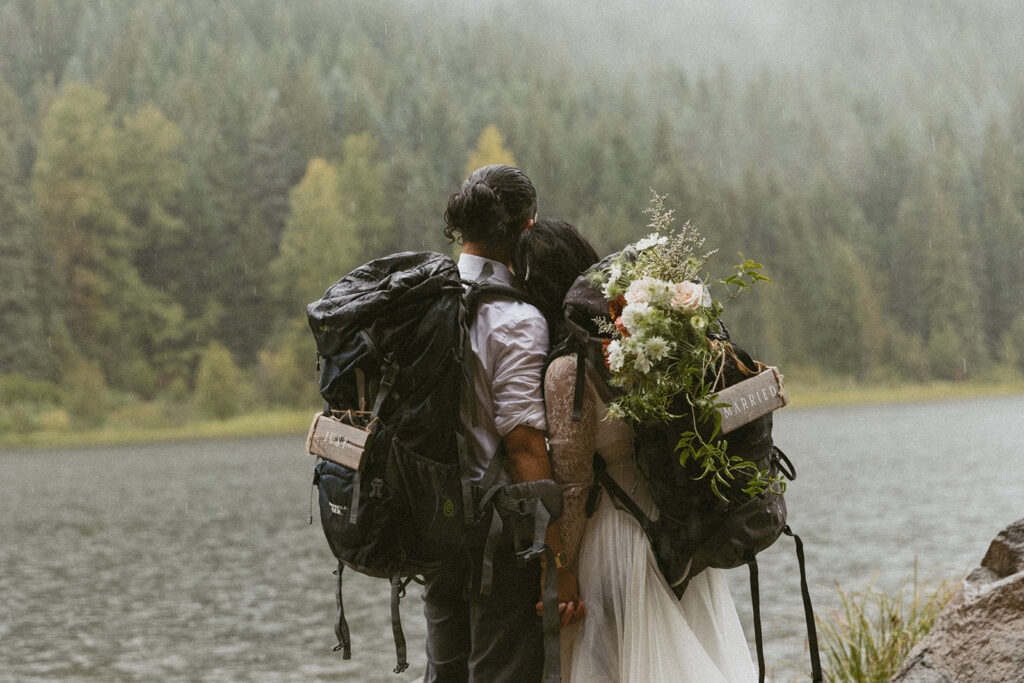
(397, 593)
(550, 620)
(467, 487)
(755, 602)
(340, 625)
(490, 545)
(812, 631)
(490, 489)
(549, 594)
(541, 520)
(353, 509)
(577, 396)
(389, 372)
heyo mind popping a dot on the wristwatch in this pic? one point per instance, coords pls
(561, 560)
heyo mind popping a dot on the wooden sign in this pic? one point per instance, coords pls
(751, 398)
(336, 441)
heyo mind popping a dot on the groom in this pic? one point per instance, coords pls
(471, 637)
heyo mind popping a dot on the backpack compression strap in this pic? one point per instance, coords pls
(812, 631)
(340, 624)
(755, 601)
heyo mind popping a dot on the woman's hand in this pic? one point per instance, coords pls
(571, 608)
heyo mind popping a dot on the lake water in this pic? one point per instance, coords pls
(196, 562)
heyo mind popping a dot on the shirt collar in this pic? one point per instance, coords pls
(471, 266)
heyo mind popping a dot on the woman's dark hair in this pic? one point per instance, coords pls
(548, 258)
(491, 206)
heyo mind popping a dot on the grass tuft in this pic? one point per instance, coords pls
(867, 638)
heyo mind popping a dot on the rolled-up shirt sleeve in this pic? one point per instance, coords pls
(520, 349)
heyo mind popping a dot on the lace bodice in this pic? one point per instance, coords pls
(573, 445)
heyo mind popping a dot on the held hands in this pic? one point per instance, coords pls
(571, 608)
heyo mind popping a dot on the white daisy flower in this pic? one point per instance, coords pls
(634, 315)
(654, 239)
(657, 348)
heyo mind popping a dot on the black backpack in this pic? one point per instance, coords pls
(695, 529)
(394, 501)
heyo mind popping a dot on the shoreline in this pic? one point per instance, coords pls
(287, 422)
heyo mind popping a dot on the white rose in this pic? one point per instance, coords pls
(637, 291)
(687, 295)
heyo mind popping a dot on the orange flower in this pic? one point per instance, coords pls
(615, 306)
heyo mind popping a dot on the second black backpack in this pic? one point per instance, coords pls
(695, 529)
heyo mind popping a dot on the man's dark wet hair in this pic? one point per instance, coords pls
(491, 206)
(548, 258)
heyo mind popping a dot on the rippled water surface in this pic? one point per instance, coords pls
(195, 561)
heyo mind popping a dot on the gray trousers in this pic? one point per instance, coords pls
(484, 639)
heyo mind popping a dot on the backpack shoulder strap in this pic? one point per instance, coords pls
(479, 291)
(620, 497)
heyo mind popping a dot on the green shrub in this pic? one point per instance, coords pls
(86, 398)
(220, 390)
(287, 371)
(869, 636)
(21, 389)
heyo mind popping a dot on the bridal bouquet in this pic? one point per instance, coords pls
(657, 344)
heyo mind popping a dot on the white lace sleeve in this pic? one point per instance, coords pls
(572, 449)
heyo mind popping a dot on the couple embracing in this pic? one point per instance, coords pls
(620, 619)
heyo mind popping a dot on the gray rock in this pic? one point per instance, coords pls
(979, 635)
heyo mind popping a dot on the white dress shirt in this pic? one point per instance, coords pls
(508, 349)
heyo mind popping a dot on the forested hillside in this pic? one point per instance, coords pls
(179, 178)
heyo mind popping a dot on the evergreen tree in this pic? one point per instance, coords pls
(490, 149)
(320, 241)
(365, 198)
(22, 322)
(113, 316)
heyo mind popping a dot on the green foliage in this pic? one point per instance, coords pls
(1010, 353)
(319, 243)
(220, 391)
(287, 375)
(867, 639)
(87, 398)
(165, 145)
(21, 389)
(363, 185)
(490, 149)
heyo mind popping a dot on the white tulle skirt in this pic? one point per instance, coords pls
(635, 630)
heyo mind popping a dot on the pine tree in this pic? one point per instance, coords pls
(320, 241)
(490, 149)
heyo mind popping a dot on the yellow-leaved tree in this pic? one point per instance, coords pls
(490, 149)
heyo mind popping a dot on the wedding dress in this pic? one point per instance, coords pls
(635, 630)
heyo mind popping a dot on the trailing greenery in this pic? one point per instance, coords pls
(869, 636)
(179, 174)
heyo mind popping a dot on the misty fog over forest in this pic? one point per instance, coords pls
(179, 178)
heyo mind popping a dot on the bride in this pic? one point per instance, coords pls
(635, 630)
